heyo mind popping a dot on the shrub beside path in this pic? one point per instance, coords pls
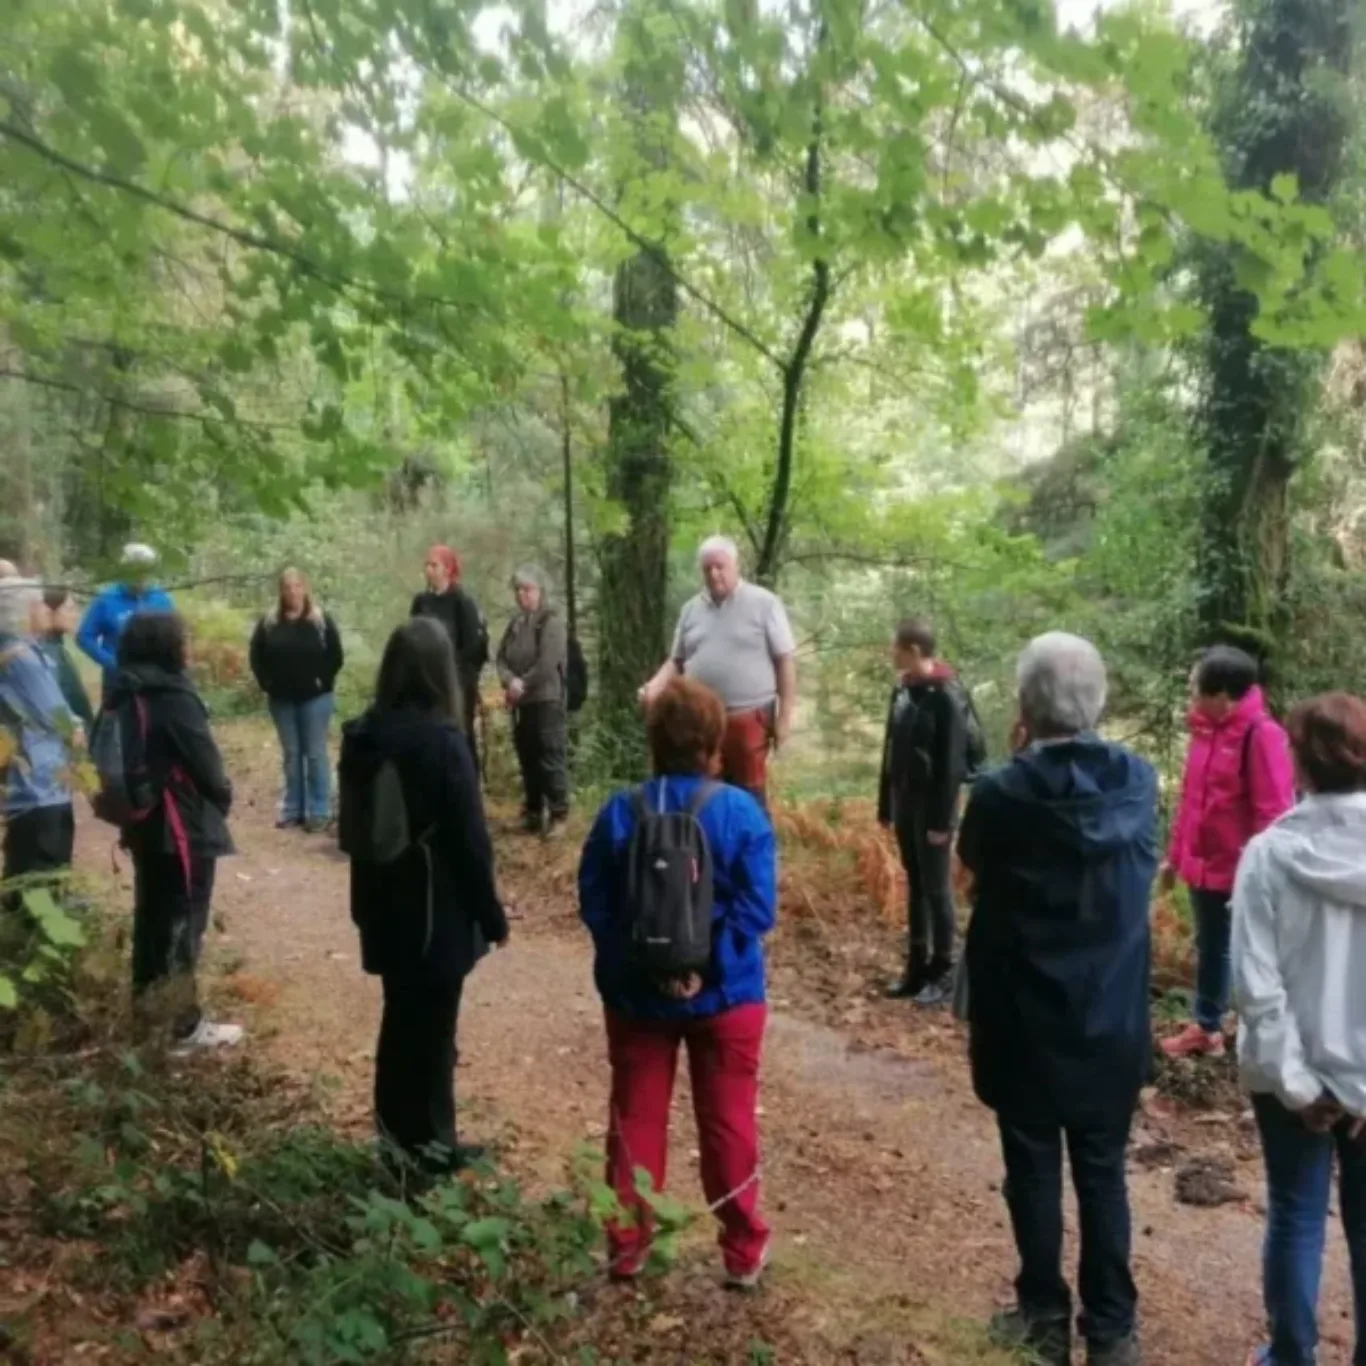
(882, 1172)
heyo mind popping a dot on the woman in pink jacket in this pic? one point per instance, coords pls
(1238, 780)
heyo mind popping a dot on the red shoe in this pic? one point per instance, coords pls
(1194, 1042)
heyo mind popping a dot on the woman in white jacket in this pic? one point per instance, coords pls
(1299, 962)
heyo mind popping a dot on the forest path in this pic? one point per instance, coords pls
(882, 1173)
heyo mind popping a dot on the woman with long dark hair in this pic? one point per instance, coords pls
(422, 884)
(296, 655)
(177, 845)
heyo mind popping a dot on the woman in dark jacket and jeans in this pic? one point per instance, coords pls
(176, 848)
(428, 915)
(296, 655)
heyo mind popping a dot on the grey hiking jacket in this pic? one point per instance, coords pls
(535, 649)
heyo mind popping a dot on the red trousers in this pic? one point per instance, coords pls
(744, 750)
(723, 1058)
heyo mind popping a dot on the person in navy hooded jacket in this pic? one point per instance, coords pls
(1061, 843)
(719, 1014)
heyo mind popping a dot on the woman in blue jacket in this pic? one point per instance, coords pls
(718, 1013)
(111, 608)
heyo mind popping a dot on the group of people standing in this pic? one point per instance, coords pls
(1059, 845)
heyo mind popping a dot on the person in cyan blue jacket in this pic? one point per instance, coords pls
(111, 609)
(1061, 843)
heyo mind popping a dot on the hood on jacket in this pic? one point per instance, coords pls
(1249, 708)
(1324, 844)
(1082, 793)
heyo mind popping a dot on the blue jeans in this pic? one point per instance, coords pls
(1299, 1178)
(1213, 967)
(1033, 1192)
(302, 728)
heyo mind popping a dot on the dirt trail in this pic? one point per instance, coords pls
(882, 1173)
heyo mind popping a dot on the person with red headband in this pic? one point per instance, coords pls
(448, 602)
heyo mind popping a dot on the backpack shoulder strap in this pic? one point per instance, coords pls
(640, 805)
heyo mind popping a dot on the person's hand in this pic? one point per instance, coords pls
(884, 822)
(1019, 737)
(1322, 1115)
(937, 838)
(683, 988)
(782, 728)
(1166, 879)
(515, 690)
(78, 737)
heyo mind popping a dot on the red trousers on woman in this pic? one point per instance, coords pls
(723, 1058)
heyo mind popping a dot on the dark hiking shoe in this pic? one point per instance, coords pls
(288, 823)
(557, 827)
(908, 986)
(532, 825)
(938, 988)
(1121, 1352)
(1047, 1342)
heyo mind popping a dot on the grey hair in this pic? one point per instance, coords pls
(1062, 684)
(722, 545)
(530, 576)
(18, 597)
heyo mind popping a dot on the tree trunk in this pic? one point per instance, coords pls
(1281, 112)
(571, 587)
(633, 598)
(633, 592)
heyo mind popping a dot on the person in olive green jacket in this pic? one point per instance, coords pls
(531, 665)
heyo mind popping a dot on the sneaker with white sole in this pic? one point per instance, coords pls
(206, 1035)
(749, 1280)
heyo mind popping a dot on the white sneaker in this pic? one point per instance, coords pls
(207, 1034)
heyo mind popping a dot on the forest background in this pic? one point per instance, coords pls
(962, 308)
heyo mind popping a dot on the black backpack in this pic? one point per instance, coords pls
(977, 756)
(373, 826)
(669, 887)
(575, 676)
(118, 749)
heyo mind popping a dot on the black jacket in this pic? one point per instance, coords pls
(1062, 843)
(298, 660)
(389, 903)
(459, 614)
(183, 763)
(924, 752)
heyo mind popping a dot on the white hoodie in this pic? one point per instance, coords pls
(1299, 954)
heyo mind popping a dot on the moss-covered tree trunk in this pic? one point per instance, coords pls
(633, 593)
(1281, 110)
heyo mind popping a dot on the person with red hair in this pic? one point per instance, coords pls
(447, 601)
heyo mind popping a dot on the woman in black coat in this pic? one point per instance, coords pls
(176, 846)
(449, 602)
(422, 884)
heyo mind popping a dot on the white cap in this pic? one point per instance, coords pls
(138, 556)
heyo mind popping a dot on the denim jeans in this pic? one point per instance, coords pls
(1033, 1191)
(1213, 967)
(1299, 1178)
(302, 728)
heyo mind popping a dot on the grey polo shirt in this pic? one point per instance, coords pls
(734, 646)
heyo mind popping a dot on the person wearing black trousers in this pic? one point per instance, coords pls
(532, 663)
(449, 602)
(176, 847)
(427, 915)
(924, 760)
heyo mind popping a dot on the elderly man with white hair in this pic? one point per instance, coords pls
(1061, 843)
(110, 610)
(735, 638)
(39, 822)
